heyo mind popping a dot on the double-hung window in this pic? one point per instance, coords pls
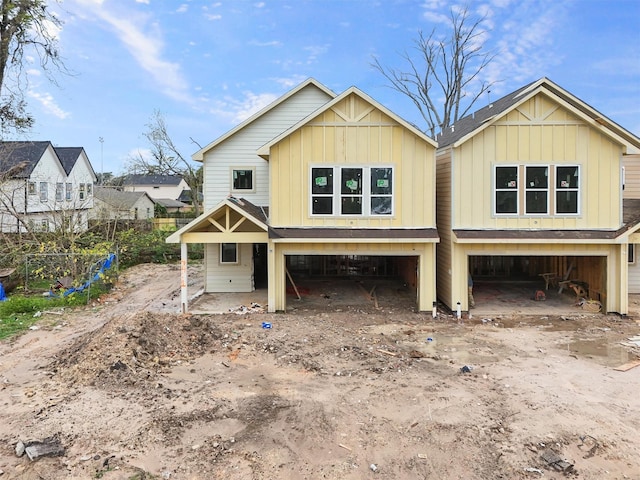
(537, 190)
(82, 192)
(349, 191)
(44, 192)
(68, 191)
(59, 191)
(567, 189)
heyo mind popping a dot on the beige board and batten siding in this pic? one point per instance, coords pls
(631, 165)
(538, 132)
(353, 133)
(239, 149)
(444, 248)
(229, 277)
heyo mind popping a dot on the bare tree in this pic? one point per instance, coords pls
(27, 28)
(166, 159)
(446, 81)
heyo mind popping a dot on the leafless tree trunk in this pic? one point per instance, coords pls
(446, 81)
(167, 159)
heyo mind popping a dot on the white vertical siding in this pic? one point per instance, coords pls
(239, 150)
(634, 272)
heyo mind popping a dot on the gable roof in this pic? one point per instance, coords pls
(255, 214)
(118, 198)
(21, 157)
(264, 150)
(171, 180)
(68, 156)
(468, 126)
(199, 155)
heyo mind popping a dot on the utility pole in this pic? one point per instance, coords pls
(101, 140)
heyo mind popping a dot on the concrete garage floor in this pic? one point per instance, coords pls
(343, 294)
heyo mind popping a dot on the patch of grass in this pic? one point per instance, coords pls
(17, 312)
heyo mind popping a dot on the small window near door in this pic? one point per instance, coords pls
(631, 256)
(242, 180)
(228, 253)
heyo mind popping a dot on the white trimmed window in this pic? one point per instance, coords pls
(89, 189)
(351, 191)
(44, 191)
(631, 256)
(59, 191)
(68, 191)
(242, 179)
(82, 192)
(228, 253)
(32, 188)
(537, 190)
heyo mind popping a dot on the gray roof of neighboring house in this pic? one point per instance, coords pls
(118, 198)
(152, 179)
(68, 156)
(169, 203)
(21, 156)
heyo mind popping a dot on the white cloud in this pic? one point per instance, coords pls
(49, 104)
(211, 16)
(239, 110)
(143, 39)
(272, 43)
(182, 8)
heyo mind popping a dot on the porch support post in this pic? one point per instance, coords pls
(183, 278)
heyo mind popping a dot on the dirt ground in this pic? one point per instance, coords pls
(133, 390)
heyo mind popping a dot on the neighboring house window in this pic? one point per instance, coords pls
(82, 191)
(135, 213)
(228, 253)
(89, 189)
(242, 179)
(44, 191)
(44, 225)
(542, 189)
(59, 191)
(67, 193)
(363, 191)
(631, 256)
(148, 212)
(32, 188)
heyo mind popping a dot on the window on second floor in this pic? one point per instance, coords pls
(242, 179)
(59, 191)
(536, 190)
(631, 256)
(32, 188)
(89, 189)
(44, 191)
(68, 192)
(360, 191)
(82, 192)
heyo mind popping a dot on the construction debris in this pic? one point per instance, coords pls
(241, 310)
(556, 462)
(49, 447)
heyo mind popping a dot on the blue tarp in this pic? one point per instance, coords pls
(99, 267)
(3, 295)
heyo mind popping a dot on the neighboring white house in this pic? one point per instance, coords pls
(43, 187)
(156, 186)
(112, 204)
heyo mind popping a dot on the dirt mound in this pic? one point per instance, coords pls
(128, 351)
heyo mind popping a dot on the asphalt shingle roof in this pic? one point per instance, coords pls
(17, 154)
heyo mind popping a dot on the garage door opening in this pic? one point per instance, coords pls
(352, 281)
(504, 283)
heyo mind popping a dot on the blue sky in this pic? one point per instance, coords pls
(208, 65)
